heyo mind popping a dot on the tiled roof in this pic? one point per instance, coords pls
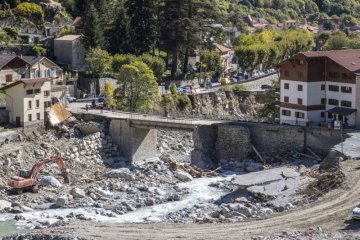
(349, 59)
(5, 59)
(68, 37)
(26, 82)
(222, 48)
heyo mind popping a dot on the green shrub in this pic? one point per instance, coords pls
(182, 101)
(239, 87)
(30, 11)
(225, 88)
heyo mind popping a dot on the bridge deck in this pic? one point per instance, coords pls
(150, 121)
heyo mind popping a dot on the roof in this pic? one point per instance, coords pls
(349, 59)
(77, 22)
(26, 82)
(68, 38)
(342, 111)
(5, 59)
(222, 48)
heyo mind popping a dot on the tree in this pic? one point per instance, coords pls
(211, 64)
(39, 51)
(157, 64)
(12, 32)
(93, 35)
(270, 110)
(247, 58)
(109, 94)
(120, 60)
(139, 90)
(143, 17)
(337, 41)
(119, 36)
(30, 11)
(100, 60)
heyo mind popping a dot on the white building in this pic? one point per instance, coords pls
(27, 101)
(320, 87)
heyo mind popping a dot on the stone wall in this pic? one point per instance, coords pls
(4, 116)
(233, 143)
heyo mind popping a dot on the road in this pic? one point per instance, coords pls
(333, 213)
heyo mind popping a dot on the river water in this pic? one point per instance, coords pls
(199, 192)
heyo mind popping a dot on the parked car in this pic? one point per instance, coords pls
(356, 213)
(101, 99)
(70, 98)
(224, 81)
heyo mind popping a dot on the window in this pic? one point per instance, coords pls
(286, 99)
(333, 88)
(334, 102)
(300, 88)
(286, 73)
(37, 91)
(346, 104)
(334, 75)
(300, 75)
(323, 101)
(322, 114)
(322, 87)
(286, 86)
(29, 92)
(30, 104)
(299, 115)
(36, 73)
(286, 113)
(30, 117)
(330, 116)
(346, 89)
(46, 93)
(37, 103)
(300, 101)
(9, 78)
(47, 104)
(38, 116)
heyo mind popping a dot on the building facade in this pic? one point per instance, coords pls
(70, 52)
(27, 101)
(320, 87)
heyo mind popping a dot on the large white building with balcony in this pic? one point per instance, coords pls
(319, 88)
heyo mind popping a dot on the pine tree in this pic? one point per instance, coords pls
(143, 24)
(93, 35)
(119, 35)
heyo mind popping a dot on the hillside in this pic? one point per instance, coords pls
(279, 10)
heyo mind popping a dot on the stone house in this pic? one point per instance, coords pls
(70, 52)
(27, 101)
(227, 55)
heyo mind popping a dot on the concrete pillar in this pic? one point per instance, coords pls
(135, 143)
(203, 155)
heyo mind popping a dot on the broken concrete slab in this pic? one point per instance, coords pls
(265, 177)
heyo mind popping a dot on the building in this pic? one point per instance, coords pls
(227, 55)
(329, 24)
(27, 101)
(14, 68)
(70, 52)
(320, 88)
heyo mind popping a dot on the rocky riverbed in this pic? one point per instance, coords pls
(107, 188)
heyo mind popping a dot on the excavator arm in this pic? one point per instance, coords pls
(17, 182)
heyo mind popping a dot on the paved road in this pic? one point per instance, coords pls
(77, 107)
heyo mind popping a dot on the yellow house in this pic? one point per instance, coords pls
(27, 100)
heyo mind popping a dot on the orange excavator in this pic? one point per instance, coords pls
(27, 180)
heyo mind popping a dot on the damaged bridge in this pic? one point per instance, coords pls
(214, 141)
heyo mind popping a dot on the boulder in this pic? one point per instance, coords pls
(244, 210)
(77, 193)
(265, 212)
(253, 166)
(4, 204)
(183, 176)
(332, 160)
(123, 173)
(62, 201)
(49, 181)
